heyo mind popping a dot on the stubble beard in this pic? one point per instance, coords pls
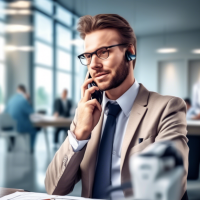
(121, 74)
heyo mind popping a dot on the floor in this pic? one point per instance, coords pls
(22, 170)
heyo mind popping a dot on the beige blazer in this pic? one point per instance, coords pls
(153, 117)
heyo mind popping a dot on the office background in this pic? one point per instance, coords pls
(39, 45)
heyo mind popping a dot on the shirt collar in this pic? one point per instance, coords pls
(126, 100)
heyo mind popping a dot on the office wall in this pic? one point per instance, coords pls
(170, 78)
(148, 59)
(17, 62)
(194, 74)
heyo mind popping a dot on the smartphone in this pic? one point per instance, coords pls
(98, 94)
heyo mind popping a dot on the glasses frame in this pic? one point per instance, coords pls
(95, 52)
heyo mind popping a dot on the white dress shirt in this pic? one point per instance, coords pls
(125, 102)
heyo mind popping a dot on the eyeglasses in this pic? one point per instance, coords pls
(102, 53)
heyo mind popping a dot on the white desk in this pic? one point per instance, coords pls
(193, 127)
(43, 122)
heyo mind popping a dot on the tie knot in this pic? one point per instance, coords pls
(113, 109)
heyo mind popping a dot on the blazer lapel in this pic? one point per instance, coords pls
(138, 110)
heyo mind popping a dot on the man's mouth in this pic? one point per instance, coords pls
(101, 75)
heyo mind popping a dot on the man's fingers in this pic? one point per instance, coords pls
(95, 103)
(85, 86)
(89, 92)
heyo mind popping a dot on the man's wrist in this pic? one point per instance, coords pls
(81, 134)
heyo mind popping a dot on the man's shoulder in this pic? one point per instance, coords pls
(158, 99)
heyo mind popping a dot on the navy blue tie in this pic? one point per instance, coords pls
(102, 179)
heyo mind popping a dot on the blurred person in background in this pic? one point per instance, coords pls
(194, 111)
(62, 108)
(20, 109)
(188, 103)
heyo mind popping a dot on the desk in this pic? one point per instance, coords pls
(48, 121)
(193, 127)
(7, 191)
(43, 121)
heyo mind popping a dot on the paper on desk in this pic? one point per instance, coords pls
(38, 196)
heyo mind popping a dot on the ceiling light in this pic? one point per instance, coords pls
(16, 12)
(18, 28)
(196, 51)
(166, 50)
(20, 4)
(15, 48)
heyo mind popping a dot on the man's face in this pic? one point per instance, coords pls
(111, 72)
(64, 94)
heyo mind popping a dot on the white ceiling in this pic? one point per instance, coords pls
(147, 17)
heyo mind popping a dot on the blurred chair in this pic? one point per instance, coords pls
(193, 183)
(8, 129)
(194, 157)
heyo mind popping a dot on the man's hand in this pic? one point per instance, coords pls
(89, 112)
(56, 114)
(197, 117)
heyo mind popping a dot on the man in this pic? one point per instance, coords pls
(19, 109)
(188, 103)
(62, 107)
(139, 117)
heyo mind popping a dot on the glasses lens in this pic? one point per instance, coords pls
(102, 53)
(85, 59)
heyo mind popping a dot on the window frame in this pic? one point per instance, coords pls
(55, 47)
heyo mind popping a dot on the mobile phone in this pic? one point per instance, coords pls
(98, 94)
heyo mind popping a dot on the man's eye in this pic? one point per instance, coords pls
(103, 52)
(87, 56)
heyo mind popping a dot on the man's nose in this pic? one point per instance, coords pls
(95, 62)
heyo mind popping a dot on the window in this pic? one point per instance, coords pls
(2, 87)
(43, 54)
(2, 7)
(64, 15)
(64, 60)
(43, 27)
(2, 45)
(64, 37)
(80, 70)
(2, 58)
(43, 89)
(63, 82)
(55, 64)
(45, 5)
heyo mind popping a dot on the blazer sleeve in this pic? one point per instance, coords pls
(173, 126)
(64, 170)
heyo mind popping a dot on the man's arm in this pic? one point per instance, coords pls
(173, 126)
(64, 170)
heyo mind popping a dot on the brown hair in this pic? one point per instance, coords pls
(88, 24)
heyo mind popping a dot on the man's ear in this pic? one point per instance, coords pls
(131, 49)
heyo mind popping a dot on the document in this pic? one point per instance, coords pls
(38, 196)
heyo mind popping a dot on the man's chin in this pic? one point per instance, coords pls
(103, 87)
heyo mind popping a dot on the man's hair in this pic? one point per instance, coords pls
(88, 24)
(22, 88)
(187, 100)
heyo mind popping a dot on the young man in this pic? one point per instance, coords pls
(129, 118)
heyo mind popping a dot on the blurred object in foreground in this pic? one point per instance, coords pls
(157, 172)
